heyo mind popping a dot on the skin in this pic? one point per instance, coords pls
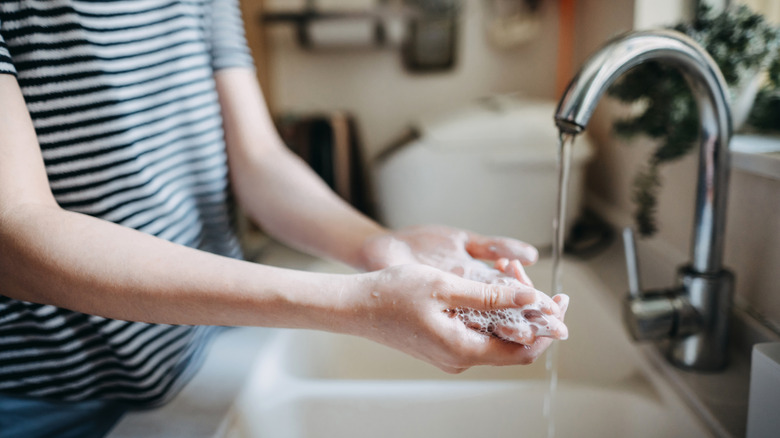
(53, 256)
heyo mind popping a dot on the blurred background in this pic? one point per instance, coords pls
(441, 111)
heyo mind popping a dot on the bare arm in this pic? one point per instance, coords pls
(49, 255)
(280, 192)
(284, 195)
(276, 188)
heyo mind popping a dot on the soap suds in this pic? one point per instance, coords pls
(520, 325)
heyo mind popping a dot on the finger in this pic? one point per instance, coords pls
(556, 329)
(501, 264)
(451, 370)
(482, 296)
(515, 269)
(500, 352)
(520, 333)
(562, 300)
(494, 248)
(532, 325)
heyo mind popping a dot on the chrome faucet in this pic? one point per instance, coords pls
(693, 315)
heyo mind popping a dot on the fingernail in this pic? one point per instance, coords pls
(563, 332)
(531, 254)
(563, 301)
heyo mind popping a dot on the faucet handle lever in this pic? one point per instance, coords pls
(632, 263)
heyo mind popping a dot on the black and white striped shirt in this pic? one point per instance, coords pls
(124, 105)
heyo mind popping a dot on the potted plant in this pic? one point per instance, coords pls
(745, 46)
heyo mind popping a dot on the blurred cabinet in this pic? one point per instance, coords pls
(258, 43)
(330, 144)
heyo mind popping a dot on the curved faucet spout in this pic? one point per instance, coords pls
(693, 315)
(709, 89)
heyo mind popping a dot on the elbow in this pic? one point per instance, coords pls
(23, 250)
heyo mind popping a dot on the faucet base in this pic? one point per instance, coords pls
(701, 341)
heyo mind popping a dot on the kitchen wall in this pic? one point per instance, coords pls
(372, 83)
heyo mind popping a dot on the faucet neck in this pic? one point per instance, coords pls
(709, 89)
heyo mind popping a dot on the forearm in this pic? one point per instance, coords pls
(300, 210)
(277, 189)
(51, 256)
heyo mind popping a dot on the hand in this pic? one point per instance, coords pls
(522, 325)
(452, 250)
(406, 307)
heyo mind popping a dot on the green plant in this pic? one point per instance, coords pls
(743, 44)
(766, 110)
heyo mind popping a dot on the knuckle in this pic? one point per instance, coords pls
(527, 359)
(471, 356)
(459, 357)
(531, 355)
(463, 360)
(492, 296)
(439, 283)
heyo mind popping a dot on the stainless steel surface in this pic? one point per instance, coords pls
(709, 89)
(632, 263)
(650, 318)
(694, 314)
(701, 340)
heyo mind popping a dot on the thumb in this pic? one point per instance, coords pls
(514, 269)
(486, 297)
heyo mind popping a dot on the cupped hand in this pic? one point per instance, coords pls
(407, 307)
(452, 250)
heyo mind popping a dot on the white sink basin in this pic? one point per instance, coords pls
(313, 384)
(467, 409)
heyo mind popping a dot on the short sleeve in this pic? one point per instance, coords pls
(6, 64)
(227, 38)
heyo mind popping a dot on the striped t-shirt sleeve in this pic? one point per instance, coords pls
(123, 100)
(228, 41)
(6, 66)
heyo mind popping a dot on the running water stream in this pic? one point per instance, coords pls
(565, 142)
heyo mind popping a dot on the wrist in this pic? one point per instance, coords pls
(336, 303)
(374, 250)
